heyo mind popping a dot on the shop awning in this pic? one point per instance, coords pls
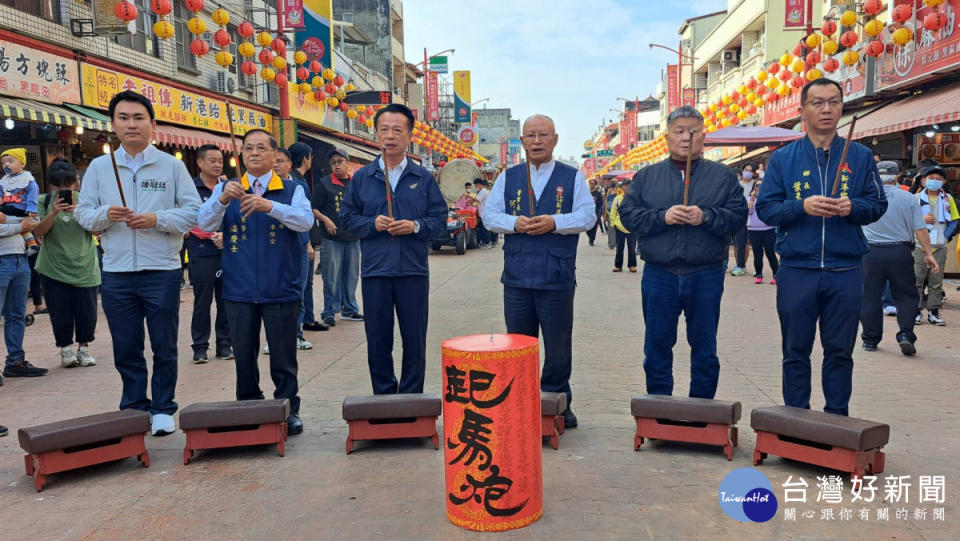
(934, 107)
(751, 135)
(355, 150)
(752, 154)
(185, 137)
(35, 111)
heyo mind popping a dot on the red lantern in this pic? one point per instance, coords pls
(339, 80)
(330, 88)
(798, 50)
(361, 118)
(125, 11)
(320, 95)
(934, 21)
(734, 95)
(774, 68)
(874, 48)
(762, 89)
(199, 47)
(813, 58)
(161, 7)
(249, 67)
(850, 38)
(902, 13)
(831, 65)
(344, 107)
(751, 109)
(193, 5)
(772, 97)
(279, 46)
(370, 111)
(734, 120)
(785, 75)
(315, 67)
(742, 103)
(303, 73)
(221, 38)
(828, 28)
(752, 84)
(265, 57)
(797, 82)
(872, 7)
(280, 80)
(245, 29)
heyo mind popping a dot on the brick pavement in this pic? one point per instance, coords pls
(596, 486)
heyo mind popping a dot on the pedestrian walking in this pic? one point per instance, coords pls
(683, 245)
(890, 263)
(68, 266)
(301, 156)
(395, 207)
(540, 249)
(820, 244)
(339, 253)
(204, 249)
(762, 239)
(144, 207)
(624, 236)
(262, 218)
(940, 217)
(483, 191)
(740, 237)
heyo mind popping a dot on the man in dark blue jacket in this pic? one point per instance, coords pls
(820, 245)
(683, 247)
(394, 250)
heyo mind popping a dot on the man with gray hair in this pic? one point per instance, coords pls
(683, 245)
(891, 260)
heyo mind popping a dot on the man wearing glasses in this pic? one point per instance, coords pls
(820, 244)
(261, 217)
(393, 237)
(541, 207)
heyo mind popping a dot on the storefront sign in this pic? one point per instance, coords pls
(673, 100)
(688, 97)
(628, 130)
(293, 14)
(28, 73)
(317, 37)
(438, 64)
(854, 78)
(433, 107)
(928, 52)
(461, 96)
(503, 152)
(170, 104)
(794, 14)
(467, 135)
(589, 167)
(942, 147)
(514, 151)
(784, 109)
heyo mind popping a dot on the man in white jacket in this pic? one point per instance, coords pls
(141, 261)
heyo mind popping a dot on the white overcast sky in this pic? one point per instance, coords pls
(569, 59)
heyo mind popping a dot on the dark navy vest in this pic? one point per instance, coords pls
(544, 261)
(261, 257)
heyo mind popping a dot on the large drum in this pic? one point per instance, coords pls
(491, 427)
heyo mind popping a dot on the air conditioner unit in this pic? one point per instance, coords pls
(730, 56)
(226, 83)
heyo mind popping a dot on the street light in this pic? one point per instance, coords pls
(479, 101)
(426, 79)
(680, 58)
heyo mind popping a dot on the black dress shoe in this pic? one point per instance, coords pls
(867, 346)
(225, 353)
(907, 347)
(3, 431)
(569, 419)
(315, 326)
(23, 369)
(294, 425)
(199, 356)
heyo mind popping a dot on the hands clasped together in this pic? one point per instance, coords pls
(538, 225)
(394, 227)
(819, 205)
(683, 215)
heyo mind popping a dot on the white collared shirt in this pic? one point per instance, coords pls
(581, 218)
(133, 162)
(394, 173)
(264, 181)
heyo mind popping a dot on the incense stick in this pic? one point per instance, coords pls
(843, 157)
(233, 139)
(686, 176)
(530, 188)
(116, 173)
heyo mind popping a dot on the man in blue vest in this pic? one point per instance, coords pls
(393, 237)
(261, 217)
(541, 207)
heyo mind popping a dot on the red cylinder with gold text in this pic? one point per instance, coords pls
(491, 429)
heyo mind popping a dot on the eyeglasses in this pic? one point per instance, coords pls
(260, 149)
(818, 103)
(541, 136)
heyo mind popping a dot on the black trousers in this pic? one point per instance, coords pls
(763, 242)
(740, 247)
(409, 297)
(36, 290)
(207, 286)
(280, 324)
(893, 263)
(630, 239)
(592, 233)
(72, 310)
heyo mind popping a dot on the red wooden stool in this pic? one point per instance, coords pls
(678, 418)
(214, 425)
(85, 441)
(825, 439)
(552, 406)
(390, 416)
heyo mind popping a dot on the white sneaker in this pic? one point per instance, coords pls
(85, 358)
(304, 344)
(918, 320)
(266, 349)
(162, 424)
(934, 317)
(68, 359)
(890, 310)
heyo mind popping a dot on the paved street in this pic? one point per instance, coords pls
(595, 486)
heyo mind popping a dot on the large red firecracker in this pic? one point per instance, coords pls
(491, 420)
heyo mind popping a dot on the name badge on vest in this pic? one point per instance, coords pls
(559, 200)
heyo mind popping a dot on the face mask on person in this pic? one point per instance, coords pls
(934, 184)
(747, 175)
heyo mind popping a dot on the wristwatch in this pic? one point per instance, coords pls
(416, 226)
(707, 216)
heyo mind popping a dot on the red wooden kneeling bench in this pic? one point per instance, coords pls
(825, 439)
(391, 416)
(552, 406)
(214, 425)
(679, 418)
(85, 441)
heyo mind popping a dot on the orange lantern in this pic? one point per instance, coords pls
(248, 67)
(245, 30)
(265, 56)
(831, 65)
(874, 48)
(221, 38)
(849, 38)
(872, 7)
(280, 80)
(125, 11)
(193, 5)
(161, 7)
(934, 20)
(902, 13)
(199, 47)
(315, 67)
(829, 28)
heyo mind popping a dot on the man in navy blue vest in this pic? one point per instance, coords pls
(541, 208)
(261, 217)
(394, 250)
